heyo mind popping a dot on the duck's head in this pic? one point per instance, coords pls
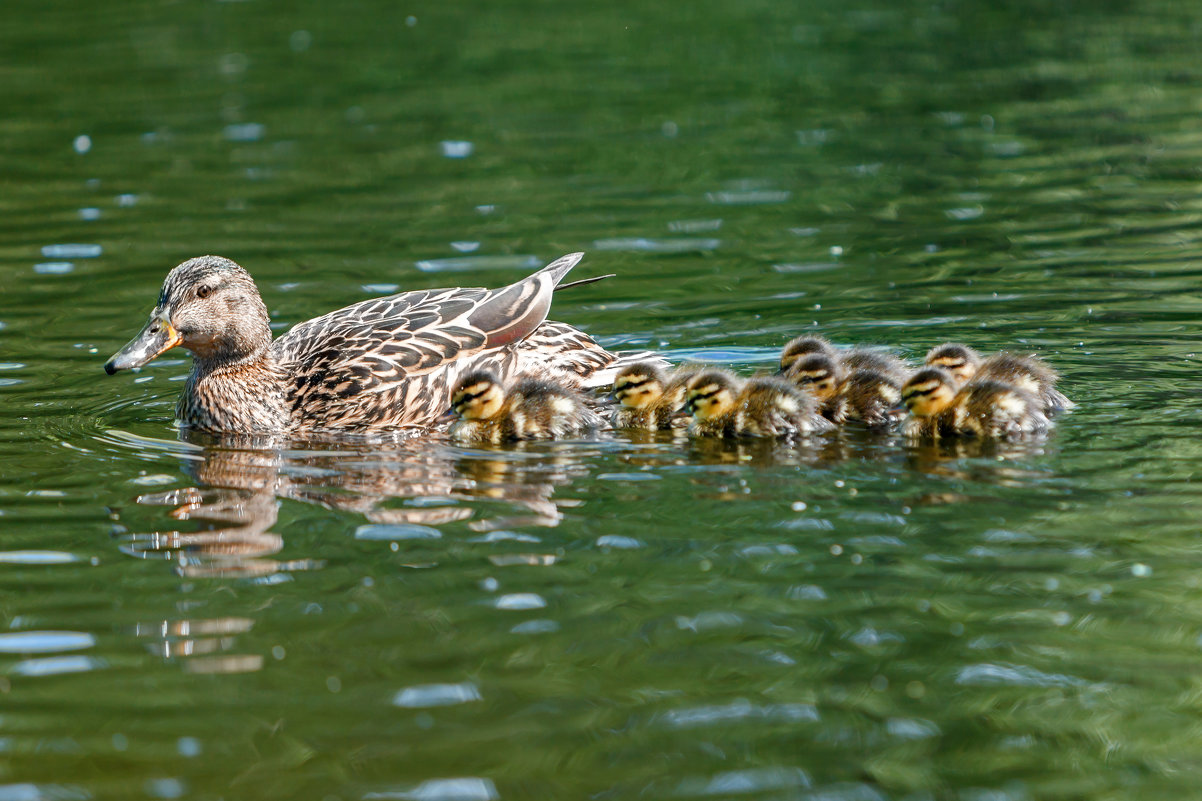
(959, 360)
(638, 385)
(929, 391)
(801, 347)
(208, 305)
(818, 374)
(710, 394)
(477, 396)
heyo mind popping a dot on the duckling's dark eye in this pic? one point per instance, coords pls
(203, 291)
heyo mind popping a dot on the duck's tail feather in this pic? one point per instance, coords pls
(584, 281)
(512, 313)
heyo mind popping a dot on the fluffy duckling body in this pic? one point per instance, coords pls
(530, 409)
(994, 409)
(648, 399)
(1026, 372)
(981, 408)
(761, 407)
(877, 361)
(872, 398)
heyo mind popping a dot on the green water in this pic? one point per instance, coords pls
(610, 619)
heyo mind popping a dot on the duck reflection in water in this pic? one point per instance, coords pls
(422, 481)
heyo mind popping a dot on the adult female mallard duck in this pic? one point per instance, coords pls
(530, 409)
(380, 364)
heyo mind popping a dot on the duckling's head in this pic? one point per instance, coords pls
(959, 360)
(767, 392)
(638, 385)
(711, 393)
(477, 396)
(804, 346)
(929, 391)
(208, 305)
(818, 374)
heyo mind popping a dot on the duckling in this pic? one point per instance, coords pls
(877, 361)
(647, 398)
(775, 408)
(960, 361)
(929, 395)
(712, 399)
(1026, 372)
(531, 409)
(982, 407)
(871, 398)
(820, 376)
(804, 346)
(988, 408)
(762, 407)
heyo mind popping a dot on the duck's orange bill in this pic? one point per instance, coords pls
(159, 336)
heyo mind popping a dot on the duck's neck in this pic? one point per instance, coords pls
(240, 395)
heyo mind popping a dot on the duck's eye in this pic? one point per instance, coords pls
(203, 291)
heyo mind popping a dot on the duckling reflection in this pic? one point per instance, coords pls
(984, 462)
(520, 476)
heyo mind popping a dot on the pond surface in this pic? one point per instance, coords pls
(616, 618)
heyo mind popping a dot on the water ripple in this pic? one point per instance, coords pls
(32, 642)
(430, 695)
(460, 789)
(738, 710)
(987, 674)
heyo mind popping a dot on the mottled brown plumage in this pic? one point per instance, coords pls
(380, 364)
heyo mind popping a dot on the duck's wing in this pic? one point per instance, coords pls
(390, 361)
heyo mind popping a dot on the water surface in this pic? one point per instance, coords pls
(617, 617)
